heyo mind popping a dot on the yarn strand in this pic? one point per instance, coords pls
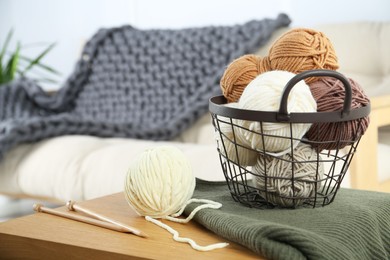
(209, 205)
(177, 237)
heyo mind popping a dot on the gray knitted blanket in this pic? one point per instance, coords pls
(144, 84)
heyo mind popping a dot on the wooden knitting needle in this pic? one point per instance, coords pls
(99, 223)
(72, 206)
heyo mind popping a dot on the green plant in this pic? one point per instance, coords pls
(18, 64)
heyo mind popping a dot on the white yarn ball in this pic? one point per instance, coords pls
(159, 182)
(279, 176)
(242, 155)
(264, 94)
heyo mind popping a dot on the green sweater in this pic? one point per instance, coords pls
(355, 226)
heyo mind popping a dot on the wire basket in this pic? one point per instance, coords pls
(256, 185)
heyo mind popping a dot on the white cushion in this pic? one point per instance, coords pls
(202, 132)
(85, 167)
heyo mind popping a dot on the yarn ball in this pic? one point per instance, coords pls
(159, 182)
(329, 94)
(273, 176)
(239, 74)
(264, 94)
(302, 49)
(242, 155)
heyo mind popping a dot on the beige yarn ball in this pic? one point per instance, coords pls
(242, 155)
(264, 94)
(279, 176)
(159, 182)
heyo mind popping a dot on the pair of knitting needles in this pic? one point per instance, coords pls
(93, 219)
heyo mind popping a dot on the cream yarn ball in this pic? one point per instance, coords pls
(264, 94)
(242, 155)
(159, 182)
(279, 176)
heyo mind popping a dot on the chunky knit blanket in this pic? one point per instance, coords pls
(145, 84)
(355, 226)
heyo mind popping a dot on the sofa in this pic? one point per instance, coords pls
(80, 167)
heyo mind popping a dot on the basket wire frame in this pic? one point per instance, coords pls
(240, 177)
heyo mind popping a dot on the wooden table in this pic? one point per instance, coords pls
(44, 236)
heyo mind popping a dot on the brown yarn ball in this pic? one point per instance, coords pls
(303, 49)
(239, 74)
(329, 93)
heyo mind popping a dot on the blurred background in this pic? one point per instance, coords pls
(69, 23)
(37, 24)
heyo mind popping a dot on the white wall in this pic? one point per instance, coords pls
(70, 22)
(66, 22)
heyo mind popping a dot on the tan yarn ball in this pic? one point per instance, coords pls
(296, 51)
(278, 187)
(240, 73)
(301, 49)
(237, 153)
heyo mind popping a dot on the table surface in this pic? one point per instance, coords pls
(44, 236)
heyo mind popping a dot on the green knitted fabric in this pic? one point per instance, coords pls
(355, 226)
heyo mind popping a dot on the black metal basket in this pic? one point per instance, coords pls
(250, 186)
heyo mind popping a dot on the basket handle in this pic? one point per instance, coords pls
(283, 113)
